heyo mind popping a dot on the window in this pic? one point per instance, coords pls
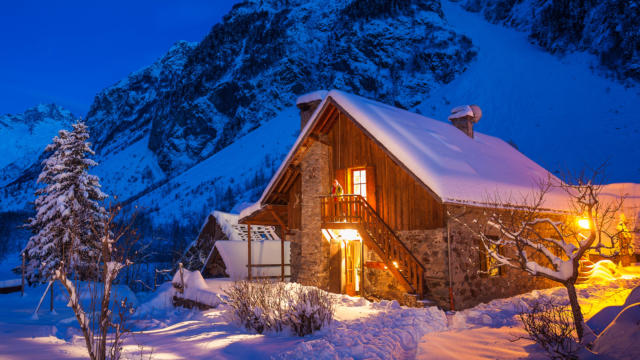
(489, 265)
(359, 178)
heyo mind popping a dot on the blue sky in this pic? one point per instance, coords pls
(67, 51)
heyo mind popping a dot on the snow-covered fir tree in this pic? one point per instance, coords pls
(69, 215)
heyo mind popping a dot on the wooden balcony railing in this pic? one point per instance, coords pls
(353, 211)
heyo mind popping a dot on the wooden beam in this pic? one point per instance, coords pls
(249, 254)
(282, 239)
(279, 220)
(320, 138)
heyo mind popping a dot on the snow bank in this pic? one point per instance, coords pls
(607, 270)
(605, 317)
(391, 331)
(195, 288)
(621, 339)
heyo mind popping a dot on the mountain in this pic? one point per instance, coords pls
(208, 123)
(24, 136)
(608, 29)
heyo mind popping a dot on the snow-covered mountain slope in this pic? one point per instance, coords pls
(609, 29)
(556, 110)
(24, 136)
(234, 175)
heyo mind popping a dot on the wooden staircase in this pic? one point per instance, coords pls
(354, 212)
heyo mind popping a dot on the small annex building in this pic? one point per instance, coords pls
(389, 235)
(221, 250)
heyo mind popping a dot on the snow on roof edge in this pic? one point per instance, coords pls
(312, 96)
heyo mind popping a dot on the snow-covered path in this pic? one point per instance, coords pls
(362, 330)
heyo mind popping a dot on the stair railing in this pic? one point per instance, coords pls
(339, 211)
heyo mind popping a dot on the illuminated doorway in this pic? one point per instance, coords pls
(345, 260)
(352, 267)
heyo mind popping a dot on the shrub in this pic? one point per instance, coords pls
(274, 306)
(551, 326)
(311, 309)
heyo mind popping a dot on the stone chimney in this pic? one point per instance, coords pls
(463, 117)
(308, 104)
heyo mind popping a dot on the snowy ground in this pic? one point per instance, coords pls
(362, 330)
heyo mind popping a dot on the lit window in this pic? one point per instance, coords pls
(359, 182)
(489, 266)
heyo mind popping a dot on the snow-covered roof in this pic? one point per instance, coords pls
(317, 95)
(234, 254)
(457, 168)
(238, 232)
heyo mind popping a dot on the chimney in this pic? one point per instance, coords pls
(308, 104)
(463, 117)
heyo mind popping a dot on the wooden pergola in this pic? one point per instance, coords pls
(268, 215)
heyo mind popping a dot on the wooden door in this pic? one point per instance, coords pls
(352, 268)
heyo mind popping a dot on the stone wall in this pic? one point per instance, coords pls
(430, 248)
(470, 287)
(308, 247)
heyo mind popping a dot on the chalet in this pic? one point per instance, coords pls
(388, 235)
(220, 250)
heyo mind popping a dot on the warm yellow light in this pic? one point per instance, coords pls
(349, 234)
(395, 263)
(584, 223)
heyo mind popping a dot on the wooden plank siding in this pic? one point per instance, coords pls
(402, 202)
(295, 210)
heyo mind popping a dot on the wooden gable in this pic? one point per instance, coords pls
(403, 201)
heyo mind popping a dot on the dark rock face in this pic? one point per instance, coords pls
(198, 99)
(609, 29)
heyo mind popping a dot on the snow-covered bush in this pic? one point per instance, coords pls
(311, 309)
(258, 306)
(273, 306)
(551, 326)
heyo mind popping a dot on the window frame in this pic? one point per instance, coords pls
(362, 184)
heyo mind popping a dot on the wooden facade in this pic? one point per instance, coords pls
(401, 200)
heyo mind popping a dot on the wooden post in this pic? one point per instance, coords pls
(181, 278)
(284, 234)
(249, 251)
(52, 285)
(23, 270)
(362, 267)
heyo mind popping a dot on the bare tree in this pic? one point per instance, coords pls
(527, 236)
(107, 313)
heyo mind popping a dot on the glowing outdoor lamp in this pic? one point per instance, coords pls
(584, 223)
